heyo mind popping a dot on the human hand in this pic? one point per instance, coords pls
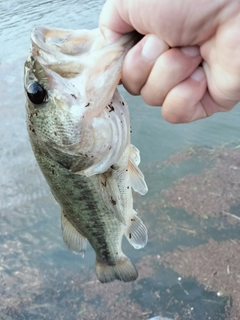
(179, 35)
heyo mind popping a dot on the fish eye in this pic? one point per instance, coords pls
(36, 93)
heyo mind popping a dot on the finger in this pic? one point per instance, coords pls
(111, 22)
(164, 18)
(183, 103)
(222, 64)
(171, 68)
(139, 61)
(223, 84)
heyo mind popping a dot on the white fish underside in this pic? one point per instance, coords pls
(80, 135)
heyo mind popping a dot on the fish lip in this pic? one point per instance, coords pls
(38, 38)
(43, 49)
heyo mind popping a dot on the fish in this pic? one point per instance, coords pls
(79, 129)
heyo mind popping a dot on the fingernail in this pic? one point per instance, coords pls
(198, 74)
(191, 51)
(152, 47)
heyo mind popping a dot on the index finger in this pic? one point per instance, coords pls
(111, 22)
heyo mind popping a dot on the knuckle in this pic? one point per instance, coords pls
(151, 99)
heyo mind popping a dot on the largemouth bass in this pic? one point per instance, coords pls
(79, 129)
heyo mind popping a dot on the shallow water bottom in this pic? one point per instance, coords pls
(188, 270)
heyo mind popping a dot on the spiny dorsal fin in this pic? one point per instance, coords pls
(136, 233)
(72, 238)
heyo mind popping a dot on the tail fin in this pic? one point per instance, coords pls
(123, 270)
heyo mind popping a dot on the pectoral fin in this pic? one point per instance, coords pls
(134, 155)
(136, 177)
(72, 238)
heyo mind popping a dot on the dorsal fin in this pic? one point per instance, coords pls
(72, 238)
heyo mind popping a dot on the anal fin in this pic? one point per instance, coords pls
(136, 233)
(72, 238)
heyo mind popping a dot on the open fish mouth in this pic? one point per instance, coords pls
(62, 50)
(57, 45)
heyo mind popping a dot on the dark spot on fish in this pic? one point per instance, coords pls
(133, 219)
(86, 155)
(130, 235)
(127, 187)
(91, 156)
(53, 172)
(121, 121)
(126, 169)
(82, 116)
(87, 105)
(111, 108)
(110, 148)
(123, 103)
(104, 183)
(55, 133)
(65, 216)
(73, 95)
(130, 131)
(113, 201)
(106, 255)
(121, 113)
(31, 128)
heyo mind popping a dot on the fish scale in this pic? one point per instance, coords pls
(83, 194)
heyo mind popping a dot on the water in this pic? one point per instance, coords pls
(40, 279)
